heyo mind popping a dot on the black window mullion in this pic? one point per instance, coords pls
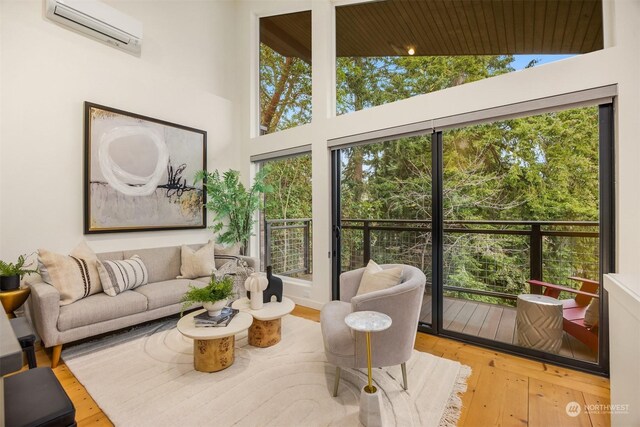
(607, 224)
(336, 231)
(437, 234)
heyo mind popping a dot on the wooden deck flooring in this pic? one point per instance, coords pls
(491, 321)
(494, 322)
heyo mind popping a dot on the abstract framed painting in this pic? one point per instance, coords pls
(139, 173)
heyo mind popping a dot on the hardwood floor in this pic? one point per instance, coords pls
(503, 390)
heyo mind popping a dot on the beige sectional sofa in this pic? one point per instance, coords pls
(99, 313)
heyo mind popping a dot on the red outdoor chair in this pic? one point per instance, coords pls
(574, 308)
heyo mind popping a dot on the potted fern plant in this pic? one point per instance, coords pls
(213, 297)
(233, 204)
(11, 274)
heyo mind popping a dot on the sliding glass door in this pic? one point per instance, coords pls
(385, 207)
(521, 206)
(494, 214)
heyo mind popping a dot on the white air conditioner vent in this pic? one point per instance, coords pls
(98, 20)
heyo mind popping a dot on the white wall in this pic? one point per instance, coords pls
(623, 17)
(1, 115)
(184, 75)
(617, 64)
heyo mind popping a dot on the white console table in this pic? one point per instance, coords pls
(624, 346)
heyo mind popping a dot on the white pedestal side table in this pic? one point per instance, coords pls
(266, 329)
(539, 322)
(370, 403)
(213, 347)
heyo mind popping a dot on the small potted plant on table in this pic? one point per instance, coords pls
(214, 296)
(10, 273)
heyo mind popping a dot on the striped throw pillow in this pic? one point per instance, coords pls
(75, 276)
(119, 276)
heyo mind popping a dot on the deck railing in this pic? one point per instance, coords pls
(288, 245)
(489, 259)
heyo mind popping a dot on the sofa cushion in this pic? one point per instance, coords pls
(168, 292)
(75, 276)
(162, 263)
(120, 276)
(111, 256)
(99, 308)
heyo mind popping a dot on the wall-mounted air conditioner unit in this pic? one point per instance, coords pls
(98, 20)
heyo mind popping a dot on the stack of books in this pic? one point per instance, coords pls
(205, 321)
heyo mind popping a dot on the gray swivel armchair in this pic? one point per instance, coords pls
(346, 348)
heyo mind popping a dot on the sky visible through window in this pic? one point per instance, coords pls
(520, 62)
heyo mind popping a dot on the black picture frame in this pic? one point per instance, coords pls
(116, 197)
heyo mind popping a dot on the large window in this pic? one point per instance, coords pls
(285, 71)
(286, 242)
(392, 50)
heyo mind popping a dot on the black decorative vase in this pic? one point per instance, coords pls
(9, 283)
(274, 287)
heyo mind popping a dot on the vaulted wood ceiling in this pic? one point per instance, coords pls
(447, 27)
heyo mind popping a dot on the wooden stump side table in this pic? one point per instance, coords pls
(12, 300)
(213, 347)
(266, 329)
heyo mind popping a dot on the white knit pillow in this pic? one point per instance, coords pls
(375, 278)
(592, 313)
(198, 263)
(75, 276)
(119, 276)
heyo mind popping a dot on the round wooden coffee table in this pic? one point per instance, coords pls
(213, 347)
(266, 329)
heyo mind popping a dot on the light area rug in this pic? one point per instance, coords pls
(146, 378)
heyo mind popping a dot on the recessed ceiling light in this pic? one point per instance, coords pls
(411, 51)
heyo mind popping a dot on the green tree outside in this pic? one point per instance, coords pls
(543, 167)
